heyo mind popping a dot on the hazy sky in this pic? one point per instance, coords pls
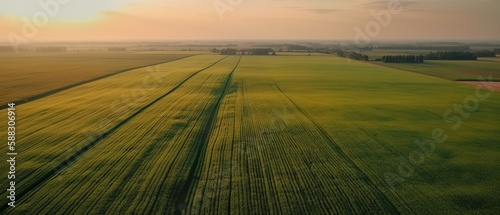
(83, 20)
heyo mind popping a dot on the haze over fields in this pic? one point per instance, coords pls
(84, 20)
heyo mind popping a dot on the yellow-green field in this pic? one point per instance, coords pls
(452, 70)
(212, 134)
(26, 75)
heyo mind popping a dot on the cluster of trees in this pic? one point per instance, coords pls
(367, 48)
(228, 51)
(296, 47)
(50, 49)
(403, 59)
(203, 45)
(259, 51)
(426, 47)
(451, 55)
(117, 49)
(352, 55)
(256, 51)
(497, 51)
(485, 53)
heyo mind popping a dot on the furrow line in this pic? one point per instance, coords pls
(337, 148)
(182, 198)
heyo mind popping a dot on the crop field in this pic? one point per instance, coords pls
(453, 70)
(295, 134)
(26, 75)
(496, 59)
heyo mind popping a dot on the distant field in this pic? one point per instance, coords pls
(264, 135)
(375, 115)
(74, 119)
(497, 58)
(489, 85)
(379, 53)
(452, 70)
(24, 75)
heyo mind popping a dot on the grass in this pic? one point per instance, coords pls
(25, 75)
(288, 135)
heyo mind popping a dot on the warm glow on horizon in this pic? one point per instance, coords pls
(76, 20)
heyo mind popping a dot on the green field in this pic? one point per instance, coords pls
(453, 70)
(212, 134)
(25, 75)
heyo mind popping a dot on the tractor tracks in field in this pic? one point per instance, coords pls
(54, 91)
(80, 152)
(341, 152)
(182, 199)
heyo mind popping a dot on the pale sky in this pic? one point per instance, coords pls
(85, 20)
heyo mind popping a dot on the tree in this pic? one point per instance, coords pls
(403, 59)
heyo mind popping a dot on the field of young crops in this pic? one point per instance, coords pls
(213, 134)
(453, 70)
(26, 75)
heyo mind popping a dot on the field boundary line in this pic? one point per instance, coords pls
(209, 126)
(71, 159)
(337, 148)
(54, 91)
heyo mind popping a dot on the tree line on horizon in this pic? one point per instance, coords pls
(425, 47)
(451, 55)
(485, 53)
(403, 59)
(256, 51)
(50, 49)
(352, 55)
(117, 49)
